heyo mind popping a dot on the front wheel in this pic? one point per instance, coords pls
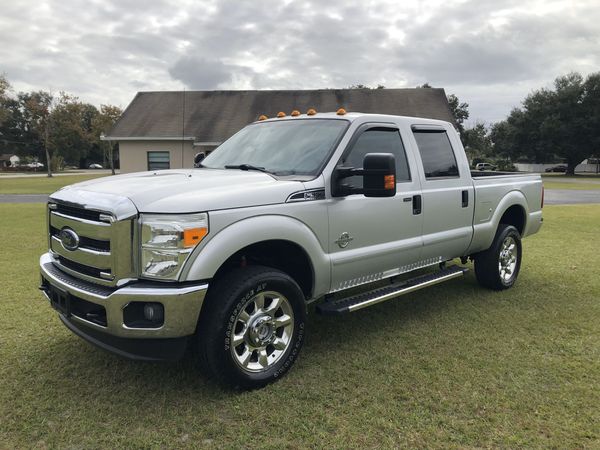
(498, 267)
(252, 329)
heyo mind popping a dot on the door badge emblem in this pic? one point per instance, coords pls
(344, 240)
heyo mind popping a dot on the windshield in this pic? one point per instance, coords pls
(288, 147)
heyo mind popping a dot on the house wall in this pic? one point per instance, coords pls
(133, 155)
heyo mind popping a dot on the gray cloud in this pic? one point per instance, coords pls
(200, 73)
(489, 52)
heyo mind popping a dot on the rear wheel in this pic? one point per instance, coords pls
(253, 327)
(498, 267)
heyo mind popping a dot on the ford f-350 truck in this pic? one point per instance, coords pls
(342, 209)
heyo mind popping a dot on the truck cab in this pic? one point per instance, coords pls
(289, 211)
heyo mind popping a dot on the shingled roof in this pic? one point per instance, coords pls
(213, 116)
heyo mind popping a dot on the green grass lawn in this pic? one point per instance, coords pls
(570, 185)
(40, 185)
(451, 366)
(578, 176)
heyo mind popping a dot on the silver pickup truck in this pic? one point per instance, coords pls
(345, 210)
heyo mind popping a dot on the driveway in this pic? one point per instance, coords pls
(23, 198)
(571, 196)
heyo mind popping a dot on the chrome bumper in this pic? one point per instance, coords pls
(182, 304)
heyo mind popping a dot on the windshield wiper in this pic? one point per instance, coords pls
(247, 167)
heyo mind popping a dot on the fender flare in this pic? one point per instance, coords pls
(484, 233)
(207, 259)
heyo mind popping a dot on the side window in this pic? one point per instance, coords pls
(158, 160)
(436, 153)
(378, 140)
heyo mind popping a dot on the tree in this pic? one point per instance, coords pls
(31, 115)
(102, 124)
(477, 141)
(4, 99)
(72, 134)
(459, 110)
(364, 86)
(562, 122)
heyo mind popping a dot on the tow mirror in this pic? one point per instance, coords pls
(379, 177)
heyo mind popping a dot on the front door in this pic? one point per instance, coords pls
(374, 238)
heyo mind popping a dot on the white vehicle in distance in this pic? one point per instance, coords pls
(289, 211)
(485, 166)
(95, 166)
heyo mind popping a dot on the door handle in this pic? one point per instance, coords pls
(465, 199)
(416, 204)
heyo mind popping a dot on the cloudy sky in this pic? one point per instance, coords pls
(490, 53)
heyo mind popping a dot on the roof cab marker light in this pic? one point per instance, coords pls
(295, 113)
(311, 112)
(280, 114)
(262, 117)
(341, 112)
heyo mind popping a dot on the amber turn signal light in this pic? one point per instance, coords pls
(295, 113)
(262, 117)
(280, 114)
(341, 112)
(194, 235)
(311, 112)
(389, 182)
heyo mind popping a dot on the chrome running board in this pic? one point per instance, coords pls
(381, 294)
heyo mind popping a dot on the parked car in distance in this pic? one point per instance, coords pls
(485, 166)
(558, 168)
(35, 165)
(95, 166)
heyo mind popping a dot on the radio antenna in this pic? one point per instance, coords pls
(182, 127)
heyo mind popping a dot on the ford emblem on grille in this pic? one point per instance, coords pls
(69, 239)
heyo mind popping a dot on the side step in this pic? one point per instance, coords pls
(364, 299)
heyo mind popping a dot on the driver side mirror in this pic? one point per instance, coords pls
(199, 158)
(379, 177)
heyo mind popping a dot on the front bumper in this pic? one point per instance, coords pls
(182, 305)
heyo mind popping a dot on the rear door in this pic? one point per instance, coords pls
(373, 238)
(447, 191)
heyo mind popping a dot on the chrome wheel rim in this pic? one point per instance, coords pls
(262, 331)
(507, 261)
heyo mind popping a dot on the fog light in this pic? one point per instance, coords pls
(153, 312)
(144, 315)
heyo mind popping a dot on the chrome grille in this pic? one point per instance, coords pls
(104, 254)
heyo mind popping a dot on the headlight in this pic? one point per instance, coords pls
(167, 241)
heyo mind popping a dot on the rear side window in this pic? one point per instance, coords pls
(378, 140)
(436, 153)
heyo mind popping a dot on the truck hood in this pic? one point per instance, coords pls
(183, 191)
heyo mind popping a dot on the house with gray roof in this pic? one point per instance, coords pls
(160, 130)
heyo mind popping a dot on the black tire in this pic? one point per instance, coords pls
(489, 264)
(225, 302)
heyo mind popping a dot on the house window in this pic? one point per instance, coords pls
(158, 160)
